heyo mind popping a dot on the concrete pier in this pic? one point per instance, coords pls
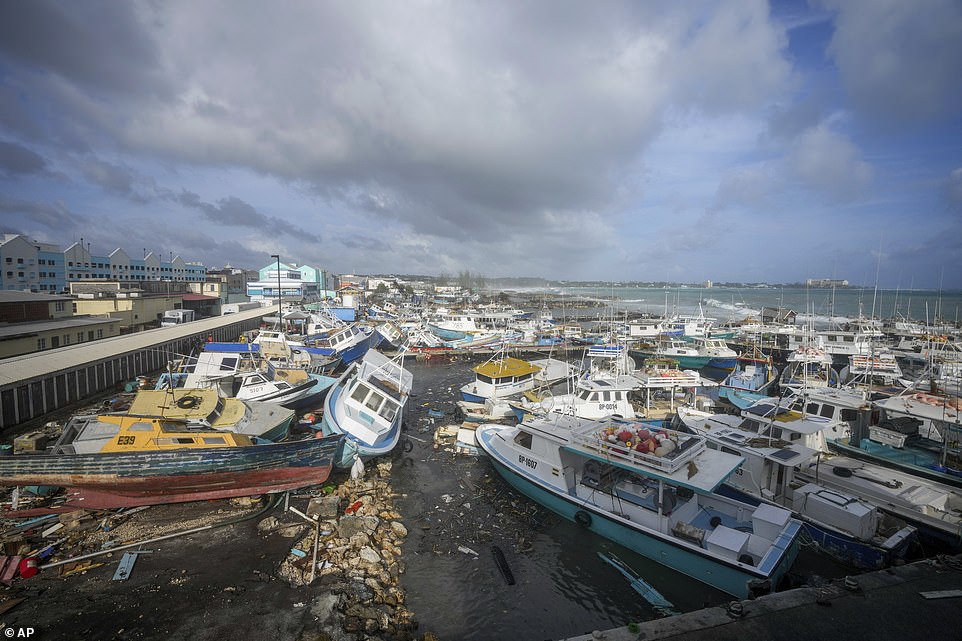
(913, 602)
(34, 384)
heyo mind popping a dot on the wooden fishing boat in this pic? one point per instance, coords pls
(123, 460)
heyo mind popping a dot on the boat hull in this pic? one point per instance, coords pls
(124, 479)
(334, 423)
(727, 578)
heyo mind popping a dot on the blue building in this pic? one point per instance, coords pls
(297, 282)
(27, 265)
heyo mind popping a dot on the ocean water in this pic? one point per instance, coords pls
(457, 508)
(823, 306)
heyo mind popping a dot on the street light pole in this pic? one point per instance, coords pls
(279, 313)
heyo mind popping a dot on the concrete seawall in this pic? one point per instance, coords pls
(913, 602)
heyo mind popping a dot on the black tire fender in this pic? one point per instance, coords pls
(582, 518)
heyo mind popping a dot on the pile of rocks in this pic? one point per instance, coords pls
(358, 559)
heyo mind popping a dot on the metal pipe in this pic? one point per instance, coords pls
(124, 547)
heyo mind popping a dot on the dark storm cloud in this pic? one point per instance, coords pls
(18, 160)
(97, 44)
(233, 211)
(55, 216)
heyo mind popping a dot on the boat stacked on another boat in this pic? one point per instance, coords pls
(654, 492)
(247, 376)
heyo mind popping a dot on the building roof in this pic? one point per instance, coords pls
(14, 330)
(198, 297)
(28, 366)
(29, 297)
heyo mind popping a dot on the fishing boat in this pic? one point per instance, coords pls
(207, 409)
(654, 492)
(392, 336)
(917, 432)
(367, 405)
(346, 342)
(593, 397)
(844, 526)
(247, 376)
(122, 460)
(754, 375)
(720, 354)
(688, 357)
(504, 376)
(281, 351)
(660, 379)
(933, 507)
(808, 366)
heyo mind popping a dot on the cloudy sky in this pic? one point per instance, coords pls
(732, 141)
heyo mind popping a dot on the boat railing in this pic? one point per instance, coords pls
(592, 440)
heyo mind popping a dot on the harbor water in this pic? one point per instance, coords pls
(458, 509)
(822, 305)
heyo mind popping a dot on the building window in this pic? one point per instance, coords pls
(9, 260)
(58, 306)
(100, 333)
(66, 339)
(90, 336)
(80, 337)
(20, 261)
(41, 344)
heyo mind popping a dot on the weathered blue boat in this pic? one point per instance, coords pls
(123, 460)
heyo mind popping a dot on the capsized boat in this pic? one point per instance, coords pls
(122, 460)
(654, 492)
(367, 405)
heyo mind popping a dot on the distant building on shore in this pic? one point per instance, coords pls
(826, 282)
(32, 266)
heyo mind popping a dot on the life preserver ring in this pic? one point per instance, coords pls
(582, 518)
(187, 402)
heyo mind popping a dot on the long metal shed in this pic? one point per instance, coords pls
(33, 384)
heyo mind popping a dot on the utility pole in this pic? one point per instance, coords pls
(279, 313)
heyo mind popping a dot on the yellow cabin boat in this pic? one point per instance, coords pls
(205, 408)
(135, 433)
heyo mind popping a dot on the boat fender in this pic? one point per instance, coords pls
(582, 518)
(844, 472)
(715, 521)
(187, 402)
(746, 559)
(502, 564)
